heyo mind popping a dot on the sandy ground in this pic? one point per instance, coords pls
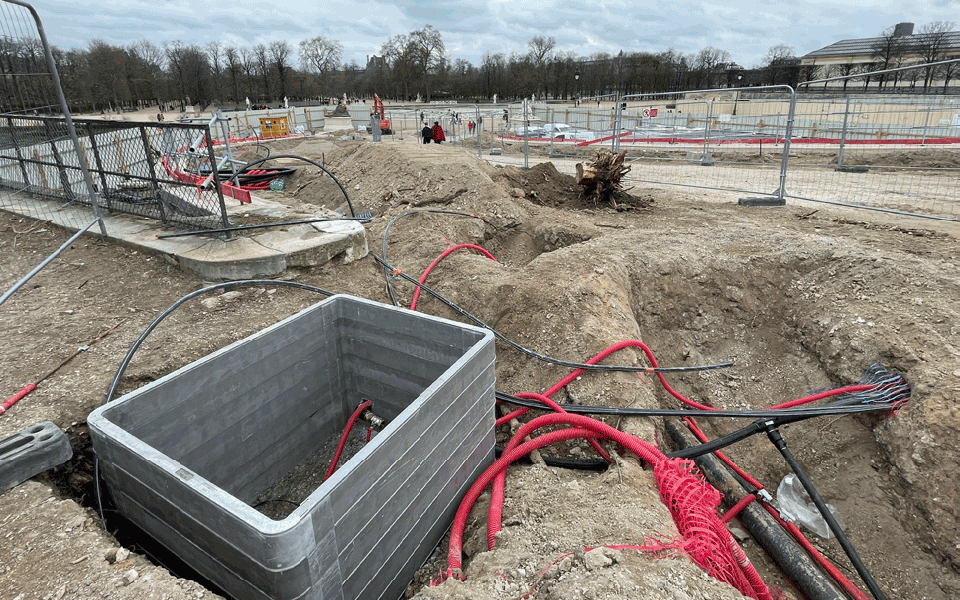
(801, 298)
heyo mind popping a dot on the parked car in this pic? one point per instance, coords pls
(532, 131)
(562, 131)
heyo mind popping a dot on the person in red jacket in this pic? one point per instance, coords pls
(437, 132)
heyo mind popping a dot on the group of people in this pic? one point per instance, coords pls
(434, 133)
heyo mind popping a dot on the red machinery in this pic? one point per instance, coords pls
(378, 110)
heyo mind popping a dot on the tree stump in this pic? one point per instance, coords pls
(600, 179)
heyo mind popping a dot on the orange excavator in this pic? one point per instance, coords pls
(378, 110)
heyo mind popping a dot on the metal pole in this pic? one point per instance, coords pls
(52, 65)
(706, 131)
(615, 142)
(101, 171)
(46, 262)
(215, 177)
(926, 122)
(479, 137)
(526, 136)
(843, 133)
(225, 131)
(16, 146)
(786, 146)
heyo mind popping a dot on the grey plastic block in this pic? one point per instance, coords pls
(32, 451)
(186, 455)
(762, 201)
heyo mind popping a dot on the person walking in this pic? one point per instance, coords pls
(426, 133)
(437, 133)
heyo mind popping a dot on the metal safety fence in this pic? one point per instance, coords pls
(882, 152)
(155, 170)
(30, 87)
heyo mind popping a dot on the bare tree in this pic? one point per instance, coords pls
(932, 46)
(248, 62)
(400, 54)
(280, 52)
(175, 54)
(493, 69)
(235, 69)
(776, 63)
(540, 51)
(429, 53)
(262, 64)
(321, 56)
(147, 59)
(707, 64)
(216, 57)
(888, 52)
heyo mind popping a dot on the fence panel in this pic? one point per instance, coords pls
(155, 170)
(883, 152)
(30, 86)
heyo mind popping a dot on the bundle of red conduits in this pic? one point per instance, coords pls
(692, 502)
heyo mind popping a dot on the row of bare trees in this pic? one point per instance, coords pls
(416, 65)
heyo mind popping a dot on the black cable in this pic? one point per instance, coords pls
(164, 236)
(774, 434)
(537, 355)
(580, 464)
(312, 162)
(386, 232)
(582, 409)
(220, 286)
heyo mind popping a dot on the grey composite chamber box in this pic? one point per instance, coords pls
(185, 456)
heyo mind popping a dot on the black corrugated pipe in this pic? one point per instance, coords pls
(774, 434)
(792, 560)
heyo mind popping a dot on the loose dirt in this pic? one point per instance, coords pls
(800, 297)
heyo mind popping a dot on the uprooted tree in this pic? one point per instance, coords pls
(600, 179)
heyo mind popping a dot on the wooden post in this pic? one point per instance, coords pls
(123, 161)
(43, 174)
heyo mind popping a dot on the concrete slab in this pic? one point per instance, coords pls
(253, 254)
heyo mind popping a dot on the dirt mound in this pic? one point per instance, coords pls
(544, 185)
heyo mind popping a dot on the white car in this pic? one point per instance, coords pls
(529, 131)
(563, 131)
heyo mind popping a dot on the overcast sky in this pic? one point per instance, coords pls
(470, 28)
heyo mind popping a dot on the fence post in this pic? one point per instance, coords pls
(926, 123)
(843, 133)
(61, 170)
(706, 132)
(100, 170)
(615, 142)
(781, 193)
(215, 176)
(153, 174)
(476, 128)
(526, 136)
(16, 146)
